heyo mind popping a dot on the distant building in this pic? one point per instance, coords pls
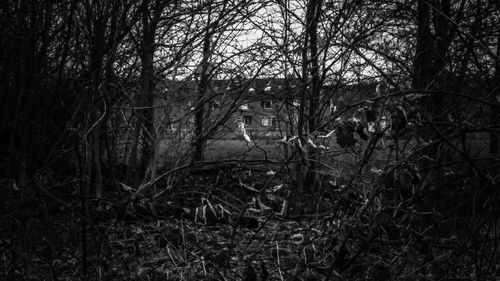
(266, 108)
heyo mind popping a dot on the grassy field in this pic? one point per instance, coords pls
(335, 159)
(258, 149)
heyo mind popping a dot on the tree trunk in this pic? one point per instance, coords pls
(147, 100)
(298, 187)
(313, 15)
(430, 61)
(494, 138)
(95, 100)
(423, 54)
(440, 57)
(144, 127)
(199, 136)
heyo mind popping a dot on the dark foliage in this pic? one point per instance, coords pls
(373, 154)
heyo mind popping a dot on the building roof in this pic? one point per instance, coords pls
(256, 89)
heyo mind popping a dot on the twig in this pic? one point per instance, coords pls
(278, 260)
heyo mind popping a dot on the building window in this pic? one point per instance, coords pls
(265, 121)
(247, 120)
(244, 106)
(274, 122)
(265, 104)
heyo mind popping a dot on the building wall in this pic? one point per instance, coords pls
(265, 118)
(258, 108)
(267, 107)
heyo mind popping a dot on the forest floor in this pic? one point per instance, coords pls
(226, 221)
(194, 233)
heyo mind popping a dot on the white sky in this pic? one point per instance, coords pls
(242, 47)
